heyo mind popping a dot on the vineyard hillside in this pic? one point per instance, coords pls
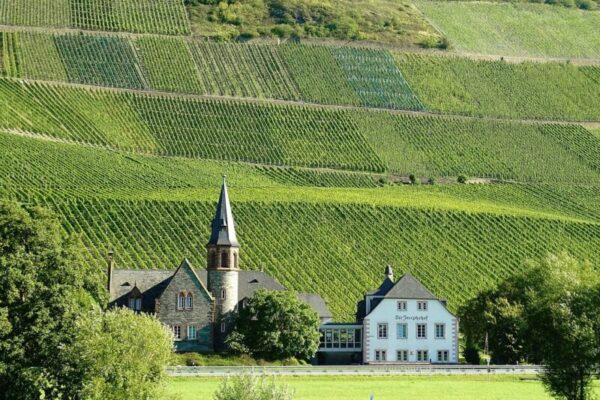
(144, 208)
(457, 164)
(345, 76)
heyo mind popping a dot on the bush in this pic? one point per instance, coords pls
(432, 181)
(472, 355)
(251, 387)
(413, 179)
(461, 179)
(430, 42)
(586, 4)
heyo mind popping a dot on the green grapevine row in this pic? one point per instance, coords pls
(286, 135)
(497, 88)
(335, 250)
(145, 16)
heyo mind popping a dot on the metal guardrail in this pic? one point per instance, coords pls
(335, 370)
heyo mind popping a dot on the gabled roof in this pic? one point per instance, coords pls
(408, 287)
(185, 264)
(151, 284)
(223, 226)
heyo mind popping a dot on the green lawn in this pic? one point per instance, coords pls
(516, 29)
(386, 388)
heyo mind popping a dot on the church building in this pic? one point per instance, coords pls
(199, 304)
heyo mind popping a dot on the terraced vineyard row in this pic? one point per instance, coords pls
(328, 75)
(236, 131)
(497, 88)
(332, 249)
(31, 166)
(289, 72)
(147, 16)
(303, 136)
(445, 146)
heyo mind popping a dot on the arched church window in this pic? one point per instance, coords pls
(189, 304)
(181, 301)
(224, 260)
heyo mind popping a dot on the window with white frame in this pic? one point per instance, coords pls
(442, 355)
(177, 332)
(181, 301)
(422, 355)
(191, 332)
(422, 305)
(189, 302)
(380, 355)
(401, 331)
(421, 331)
(401, 305)
(402, 355)
(382, 330)
(440, 331)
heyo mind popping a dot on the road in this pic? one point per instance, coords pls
(343, 370)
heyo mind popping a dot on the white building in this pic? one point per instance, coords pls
(399, 322)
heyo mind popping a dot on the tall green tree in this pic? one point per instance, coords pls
(121, 355)
(44, 288)
(276, 325)
(562, 322)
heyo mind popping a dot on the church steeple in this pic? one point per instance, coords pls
(223, 226)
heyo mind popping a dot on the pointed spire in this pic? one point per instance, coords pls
(223, 226)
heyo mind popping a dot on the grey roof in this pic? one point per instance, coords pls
(408, 287)
(223, 226)
(317, 303)
(151, 284)
(383, 289)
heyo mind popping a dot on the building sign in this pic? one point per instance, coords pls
(407, 318)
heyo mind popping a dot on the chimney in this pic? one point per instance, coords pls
(389, 274)
(111, 263)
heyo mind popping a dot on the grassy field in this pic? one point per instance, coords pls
(385, 388)
(152, 16)
(497, 88)
(507, 28)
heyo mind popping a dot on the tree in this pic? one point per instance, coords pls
(251, 387)
(121, 355)
(563, 325)
(44, 288)
(276, 325)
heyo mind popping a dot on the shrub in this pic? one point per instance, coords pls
(472, 355)
(430, 42)
(413, 179)
(461, 179)
(444, 43)
(432, 181)
(251, 387)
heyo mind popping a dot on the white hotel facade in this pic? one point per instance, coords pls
(399, 322)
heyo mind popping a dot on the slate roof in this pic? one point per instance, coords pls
(151, 284)
(408, 287)
(317, 303)
(223, 227)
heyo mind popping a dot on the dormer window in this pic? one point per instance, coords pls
(181, 301)
(135, 303)
(189, 303)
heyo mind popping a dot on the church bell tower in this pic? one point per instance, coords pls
(223, 253)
